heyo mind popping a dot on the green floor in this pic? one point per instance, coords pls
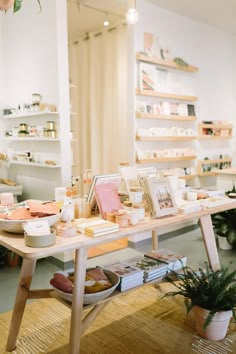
(187, 241)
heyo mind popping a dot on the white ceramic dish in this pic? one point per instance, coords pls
(95, 297)
(15, 226)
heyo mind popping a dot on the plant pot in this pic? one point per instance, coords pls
(223, 243)
(217, 329)
(6, 4)
(12, 259)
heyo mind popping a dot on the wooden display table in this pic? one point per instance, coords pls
(81, 243)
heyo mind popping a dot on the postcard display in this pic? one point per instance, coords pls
(165, 111)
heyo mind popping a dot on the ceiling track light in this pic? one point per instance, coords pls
(132, 15)
(106, 22)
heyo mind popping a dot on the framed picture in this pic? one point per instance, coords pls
(101, 179)
(160, 196)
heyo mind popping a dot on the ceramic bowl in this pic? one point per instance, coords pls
(15, 226)
(94, 297)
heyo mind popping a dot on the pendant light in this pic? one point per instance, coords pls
(132, 15)
(106, 22)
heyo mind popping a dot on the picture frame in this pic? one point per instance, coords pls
(160, 196)
(101, 179)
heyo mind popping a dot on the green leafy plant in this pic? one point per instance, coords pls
(224, 223)
(180, 61)
(211, 290)
(18, 3)
(3, 252)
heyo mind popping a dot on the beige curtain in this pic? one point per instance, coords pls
(98, 67)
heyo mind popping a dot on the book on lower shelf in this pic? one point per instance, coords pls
(173, 260)
(130, 276)
(152, 268)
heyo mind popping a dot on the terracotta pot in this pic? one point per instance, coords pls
(223, 243)
(217, 329)
(12, 259)
(6, 4)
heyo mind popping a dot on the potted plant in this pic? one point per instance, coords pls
(224, 224)
(211, 294)
(16, 4)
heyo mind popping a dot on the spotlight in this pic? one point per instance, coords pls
(106, 22)
(132, 15)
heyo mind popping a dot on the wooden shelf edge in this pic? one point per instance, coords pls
(188, 176)
(160, 138)
(219, 126)
(165, 117)
(166, 95)
(210, 137)
(210, 173)
(209, 162)
(167, 159)
(165, 63)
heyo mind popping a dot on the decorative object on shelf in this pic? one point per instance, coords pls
(211, 294)
(16, 4)
(180, 61)
(158, 195)
(211, 166)
(215, 130)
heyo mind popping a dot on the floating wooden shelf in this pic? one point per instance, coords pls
(32, 114)
(164, 116)
(171, 96)
(187, 176)
(167, 159)
(209, 162)
(213, 137)
(159, 138)
(200, 163)
(165, 63)
(208, 173)
(33, 164)
(215, 131)
(31, 139)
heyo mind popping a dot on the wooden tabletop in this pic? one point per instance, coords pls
(15, 242)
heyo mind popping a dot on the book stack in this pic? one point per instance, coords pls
(130, 276)
(98, 227)
(173, 260)
(152, 268)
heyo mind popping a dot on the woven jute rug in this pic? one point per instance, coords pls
(138, 322)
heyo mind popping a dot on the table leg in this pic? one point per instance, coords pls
(209, 241)
(77, 302)
(26, 274)
(154, 240)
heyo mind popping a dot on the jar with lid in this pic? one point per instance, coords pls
(140, 208)
(51, 125)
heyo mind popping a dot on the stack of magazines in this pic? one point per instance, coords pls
(152, 268)
(130, 276)
(173, 260)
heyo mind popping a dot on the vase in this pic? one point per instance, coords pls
(217, 329)
(223, 243)
(6, 4)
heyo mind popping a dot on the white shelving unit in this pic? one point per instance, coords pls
(144, 119)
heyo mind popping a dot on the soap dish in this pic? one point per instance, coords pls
(41, 241)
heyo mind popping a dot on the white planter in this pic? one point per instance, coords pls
(223, 243)
(217, 329)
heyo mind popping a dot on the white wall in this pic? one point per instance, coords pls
(208, 48)
(34, 47)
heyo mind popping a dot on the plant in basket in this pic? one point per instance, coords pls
(211, 294)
